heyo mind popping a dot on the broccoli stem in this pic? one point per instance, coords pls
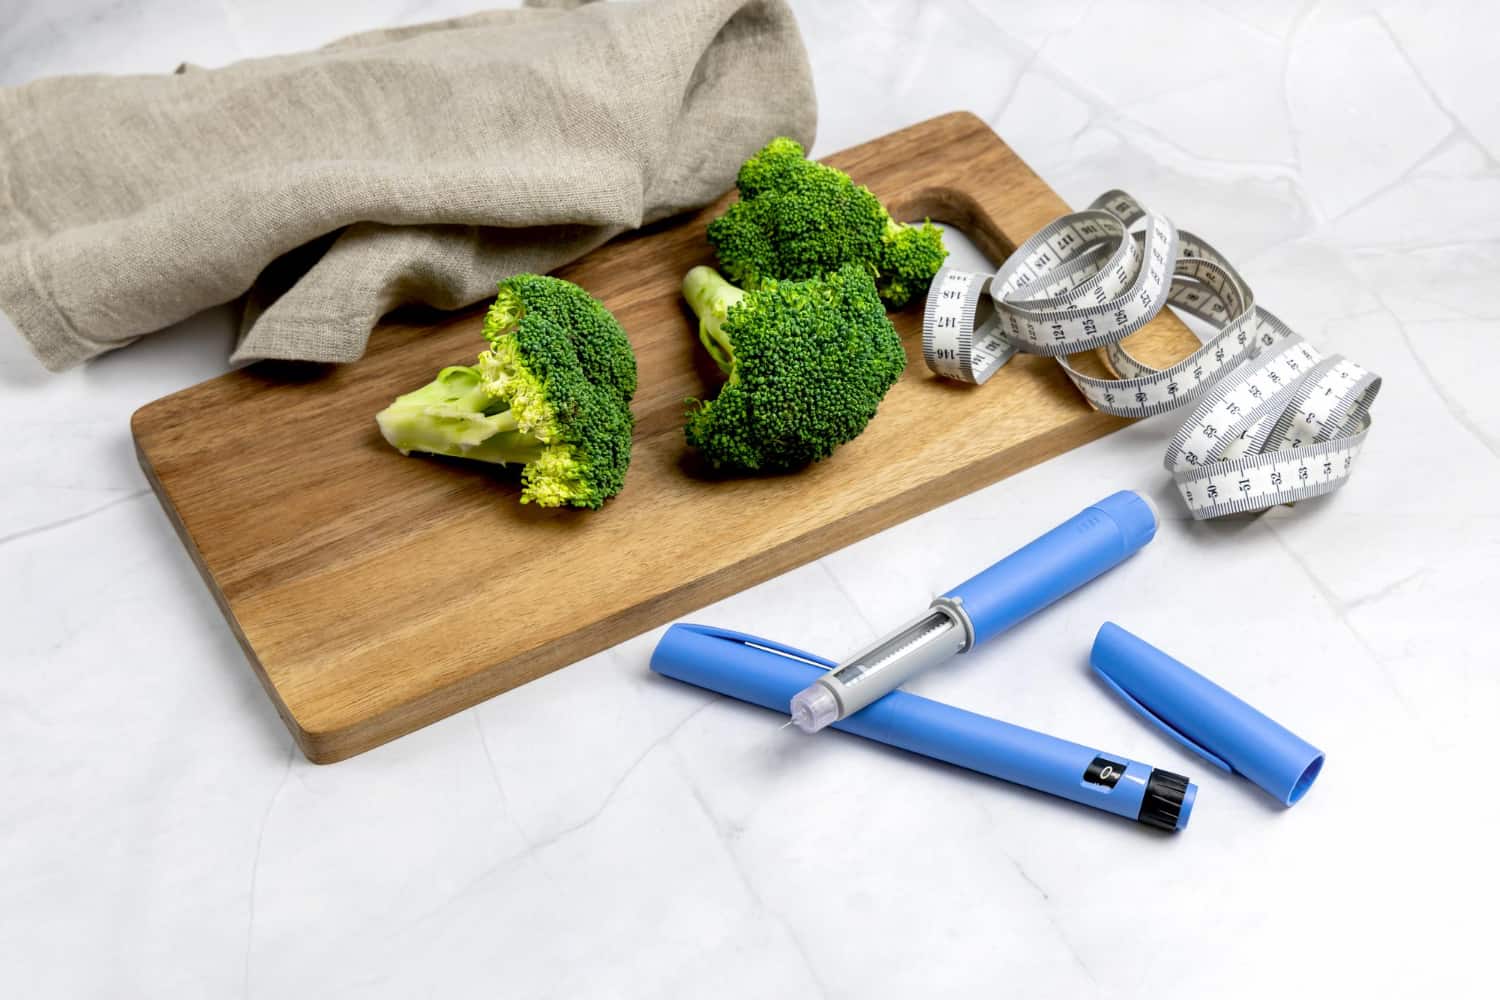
(453, 415)
(711, 297)
(505, 448)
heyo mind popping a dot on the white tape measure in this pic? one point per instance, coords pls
(1273, 419)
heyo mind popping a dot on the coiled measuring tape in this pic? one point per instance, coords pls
(1273, 419)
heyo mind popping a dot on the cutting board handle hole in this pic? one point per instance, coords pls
(971, 235)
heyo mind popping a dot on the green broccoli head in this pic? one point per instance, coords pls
(797, 218)
(552, 394)
(808, 364)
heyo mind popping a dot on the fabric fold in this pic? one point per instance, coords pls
(415, 165)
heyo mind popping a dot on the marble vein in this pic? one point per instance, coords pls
(870, 628)
(260, 837)
(1137, 130)
(1032, 56)
(1285, 90)
(1341, 612)
(489, 759)
(1381, 593)
(75, 518)
(724, 838)
(1452, 405)
(1067, 943)
(1232, 12)
(1411, 64)
(1025, 875)
(1400, 179)
(1052, 920)
(1418, 246)
(630, 769)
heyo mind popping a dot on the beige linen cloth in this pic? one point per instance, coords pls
(414, 165)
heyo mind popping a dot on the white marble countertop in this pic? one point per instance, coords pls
(603, 832)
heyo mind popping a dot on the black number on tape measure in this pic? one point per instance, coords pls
(1081, 266)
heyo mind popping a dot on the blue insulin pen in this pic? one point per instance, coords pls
(1026, 581)
(767, 673)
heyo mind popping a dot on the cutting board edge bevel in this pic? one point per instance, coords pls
(288, 719)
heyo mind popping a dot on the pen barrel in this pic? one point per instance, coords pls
(754, 671)
(1011, 753)
(1095, 540)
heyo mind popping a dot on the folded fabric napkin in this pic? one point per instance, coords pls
(413, 165)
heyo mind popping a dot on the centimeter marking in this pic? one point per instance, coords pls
(1272, 420)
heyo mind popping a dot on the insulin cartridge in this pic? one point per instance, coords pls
(1024, 582)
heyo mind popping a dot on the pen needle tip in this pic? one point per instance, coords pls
(788, 722)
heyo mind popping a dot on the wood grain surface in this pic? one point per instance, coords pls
(349, 574)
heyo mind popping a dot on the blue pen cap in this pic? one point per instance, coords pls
(1205, 718)
(1135, 515)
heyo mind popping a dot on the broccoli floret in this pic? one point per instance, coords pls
(808, 364)
(797, 218)
(552, 394)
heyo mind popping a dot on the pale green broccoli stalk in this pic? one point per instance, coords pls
(551, 394)
(808, 364)
(447, 416)
(797, 218)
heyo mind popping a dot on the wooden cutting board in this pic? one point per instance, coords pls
(374, 594)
